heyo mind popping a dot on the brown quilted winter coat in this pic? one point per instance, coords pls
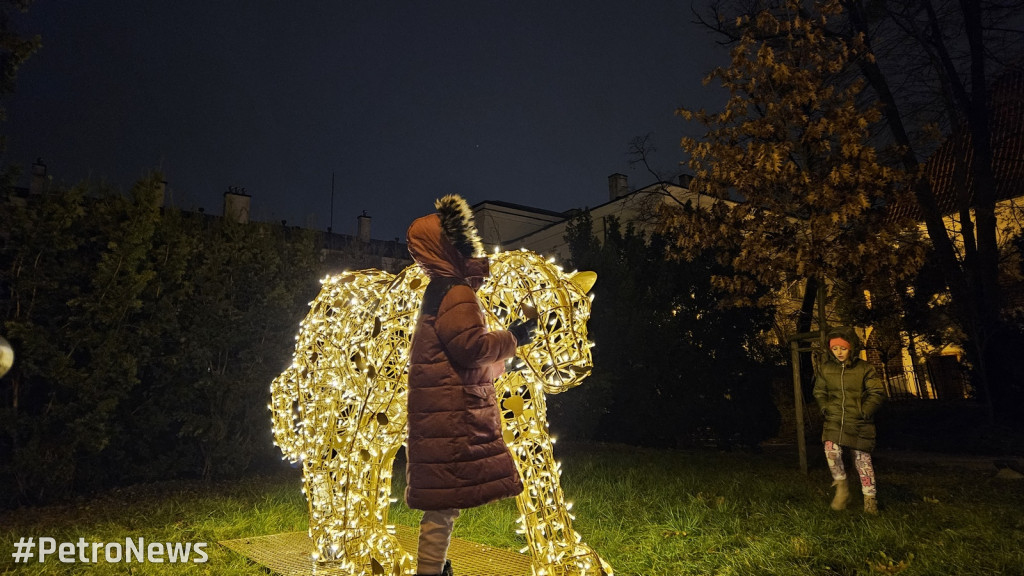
(456, 455)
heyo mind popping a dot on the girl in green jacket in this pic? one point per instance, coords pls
(849, 393)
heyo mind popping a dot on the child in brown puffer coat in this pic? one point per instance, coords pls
(456, 455)
(849, 393)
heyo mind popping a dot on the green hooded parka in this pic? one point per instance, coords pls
(848, 394)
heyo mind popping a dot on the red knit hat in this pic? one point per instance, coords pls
(837, 341)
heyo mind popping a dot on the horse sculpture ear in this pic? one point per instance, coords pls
(585, 280)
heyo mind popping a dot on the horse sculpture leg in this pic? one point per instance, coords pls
(349, 497)
(556, 549)
(347, 388)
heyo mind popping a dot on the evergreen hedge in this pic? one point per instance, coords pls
(146, 338)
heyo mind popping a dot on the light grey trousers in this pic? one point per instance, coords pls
(435, 535)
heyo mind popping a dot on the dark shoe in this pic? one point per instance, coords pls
(446, 571)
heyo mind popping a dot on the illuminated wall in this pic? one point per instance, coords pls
(340, 407)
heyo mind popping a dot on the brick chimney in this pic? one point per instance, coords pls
(236, 205)
(40, 182)
(363, 227)
(618, 185)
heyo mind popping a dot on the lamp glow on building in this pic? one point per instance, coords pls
(340, 408)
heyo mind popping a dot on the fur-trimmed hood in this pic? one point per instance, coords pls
(458, 225)
(447, 244)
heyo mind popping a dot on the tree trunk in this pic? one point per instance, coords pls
(973, 283)
(804, 320)
(986, 291)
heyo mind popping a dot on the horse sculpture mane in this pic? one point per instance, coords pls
(340, 408)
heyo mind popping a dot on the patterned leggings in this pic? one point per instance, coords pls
(861, 459)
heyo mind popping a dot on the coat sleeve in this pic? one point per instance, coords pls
(820, 390)
(874, 392)
(463, 334)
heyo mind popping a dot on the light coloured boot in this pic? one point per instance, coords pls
(870, 505)
(842, 495)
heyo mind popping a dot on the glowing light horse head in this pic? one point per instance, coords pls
(340, 407)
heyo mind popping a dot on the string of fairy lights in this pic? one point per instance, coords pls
(339, 409)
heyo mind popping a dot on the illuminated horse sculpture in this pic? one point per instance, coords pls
(340, 408)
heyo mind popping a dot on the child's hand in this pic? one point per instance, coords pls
(523, 331)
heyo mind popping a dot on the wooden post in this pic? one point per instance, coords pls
(822, 317)
(798, 404)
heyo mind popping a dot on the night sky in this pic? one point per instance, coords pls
(527, 102)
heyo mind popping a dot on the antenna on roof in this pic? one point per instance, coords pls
(331, 227)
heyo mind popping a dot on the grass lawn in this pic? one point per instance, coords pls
(649, 512)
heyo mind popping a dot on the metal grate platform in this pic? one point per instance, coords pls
(289, 554)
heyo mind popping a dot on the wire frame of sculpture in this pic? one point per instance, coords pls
(340, 407)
